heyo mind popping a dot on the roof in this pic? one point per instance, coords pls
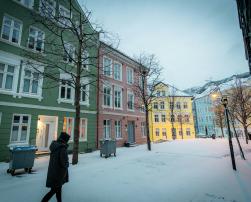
(173, 91)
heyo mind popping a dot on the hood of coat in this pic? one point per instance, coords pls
(55, 145)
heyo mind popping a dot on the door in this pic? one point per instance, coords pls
(131, 132)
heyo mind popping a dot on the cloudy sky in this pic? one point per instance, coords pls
(194, 40)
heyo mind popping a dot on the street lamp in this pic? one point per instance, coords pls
(224, 102)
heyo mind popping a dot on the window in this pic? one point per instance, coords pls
(85, 59)
(141, 82)
(155, 105)
(68, 126)
(117, 71)
(163, 93)
(69, 53)
(180, 132)
(185, 105)
(107, 90)
(188, 132)
(143, 129)
(130, 101)
(157, 131)
(107, 66)
(158, 94)
(20, 128)
(118, 129)
(47, 8)
(26, 3)
(156, 118)
(66, 91)
(83, 129)
(162, 105)
(36, 39)
(11, 29)
(106, 129)
(117, 97)
(7, 74)
(84, 93)
(186, 118)
(179, 118)
(171, 105)
(142, 108)
(64, 16)
(163, 131)
(172, 118)
(163, 117)
(129, 75)
(178, 105)
(30, 81)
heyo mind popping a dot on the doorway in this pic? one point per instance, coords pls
(131, 132)
(46, 131)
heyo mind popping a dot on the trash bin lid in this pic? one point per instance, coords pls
(23, 148)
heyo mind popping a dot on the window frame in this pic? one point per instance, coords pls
(54, 8)
(129, 69)
(157, 132)
(35, 42)
(110, 66)
(80, 127)
(11, 29)
(120, 72)
(63, 17)
(105, 127)
(130, 93)
(118, 89)
(156, 118)
(67, 126)
(118, 129)
(19, 129)
(105, 94)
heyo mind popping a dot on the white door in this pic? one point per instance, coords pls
(45, 136)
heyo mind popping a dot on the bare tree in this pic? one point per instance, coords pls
(71, 49)
(240, 104)
(148, 74)
(219, 119)
(172, 102)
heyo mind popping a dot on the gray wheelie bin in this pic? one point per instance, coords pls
(107, 147)
(21, 157)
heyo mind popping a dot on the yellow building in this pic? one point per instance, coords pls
(170, 114)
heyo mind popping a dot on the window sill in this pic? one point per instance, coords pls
(18, 144)
(85, 104)
(20, 95)
(130, 110)
(107, 107)
(121, 109)
(119, 138)
(11, 43)
(65, 101)
(8, 92)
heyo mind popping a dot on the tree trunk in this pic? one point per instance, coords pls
(77, 123)
(148, 130)
(246, 132)
(222, 132)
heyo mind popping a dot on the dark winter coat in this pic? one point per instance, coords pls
(58, 166)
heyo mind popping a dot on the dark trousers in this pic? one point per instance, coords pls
(57, 191)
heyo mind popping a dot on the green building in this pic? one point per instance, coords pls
(34, 108)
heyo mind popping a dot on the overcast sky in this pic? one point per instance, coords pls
(194, 40)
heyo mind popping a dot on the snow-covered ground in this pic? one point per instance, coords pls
(180, 171)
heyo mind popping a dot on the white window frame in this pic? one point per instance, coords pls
(155, 105)
(22, 2)
(185, 105)
(111, 95)
(164, 130)
(69, 48)
(163, 116)
(118, 89)
(80, 125)
(157, 132)
(118, 129)
(188, 130)
(129, 79)
(20, 124)
(156, 118)
(162, 105)
(8, 59)
(36, 39)
(66, 77)
(67, 126)
(105, 129)
(143, 129)
(120, 71)
(110, 67)
(63, 21)
(129, 93)
(41, 5)
(40, 81)
(85, 81)
(11, 29)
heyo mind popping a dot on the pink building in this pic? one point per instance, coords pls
(119, 114)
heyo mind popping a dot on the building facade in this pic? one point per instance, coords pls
(118, 115)
(244, 11)
(171, 115)
(31, 112)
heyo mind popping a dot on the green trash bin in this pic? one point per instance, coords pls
(107, 147)
(21, 157)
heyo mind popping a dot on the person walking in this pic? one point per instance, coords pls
(58, 167)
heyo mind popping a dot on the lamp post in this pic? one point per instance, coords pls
(224, 102)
